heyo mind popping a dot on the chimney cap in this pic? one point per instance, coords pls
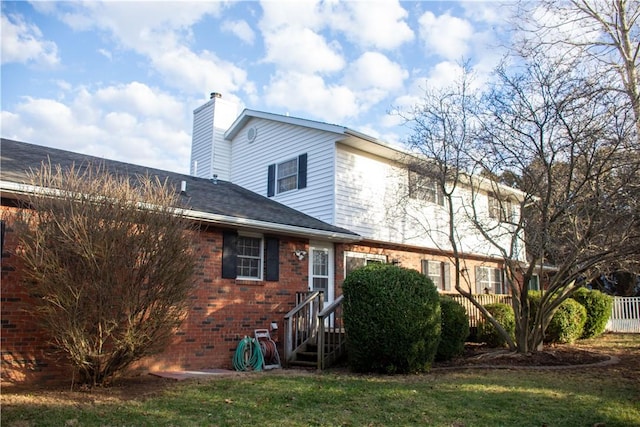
(215, 95)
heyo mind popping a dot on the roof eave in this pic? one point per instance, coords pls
(211, 218)
(247, 114)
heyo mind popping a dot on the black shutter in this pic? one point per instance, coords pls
(229, 255)
(273, 259)
(479, 289)
(446, 276)
(302, 170)
(425, 267)
(271, 181)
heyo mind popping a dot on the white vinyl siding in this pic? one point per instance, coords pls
(365, 186)
(276, 143)
(210, 152)
(370, 201)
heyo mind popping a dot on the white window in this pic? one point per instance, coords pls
(424, 188)
(320, 270)
(287, 175)
(250, 252)
(489, 280)
(501, 210)
(438, 272)
(353, 260)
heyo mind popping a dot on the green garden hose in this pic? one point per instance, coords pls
(248, 355)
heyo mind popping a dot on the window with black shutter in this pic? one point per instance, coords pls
(287, 176)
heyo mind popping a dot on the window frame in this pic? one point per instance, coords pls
(443, 282)
(493, 285)
(534, 283)
(240, 257)
(501, 210)
(278, 178)
(424, 188)
(368, 258)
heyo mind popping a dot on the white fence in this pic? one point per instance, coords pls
(625, 315)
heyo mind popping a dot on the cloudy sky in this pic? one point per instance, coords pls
(120, 80)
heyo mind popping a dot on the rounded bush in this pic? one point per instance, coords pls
(598, 307)
(488, 334)
(392, 319)
(455, 329)
(567, 323)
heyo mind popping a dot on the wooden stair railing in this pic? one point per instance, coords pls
(331, 337)
(301, 325)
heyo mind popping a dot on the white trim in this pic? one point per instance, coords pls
(261, 256)
(331, 283)
(265, 226)
(247, 114)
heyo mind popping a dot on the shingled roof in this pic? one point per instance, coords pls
(218, 202)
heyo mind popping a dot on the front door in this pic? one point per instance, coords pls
(321, 269)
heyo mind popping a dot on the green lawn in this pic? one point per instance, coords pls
(442, 398)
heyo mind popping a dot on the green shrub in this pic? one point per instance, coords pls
(598, 307)
(488, 334)
(455, 329)
(567, 323)
(392, 319)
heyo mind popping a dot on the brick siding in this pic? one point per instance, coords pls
(222, 312)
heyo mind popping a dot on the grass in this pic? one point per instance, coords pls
(577, 397)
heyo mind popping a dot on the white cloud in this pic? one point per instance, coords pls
(371, 23)
(302, 50)
(107, 54)
(191, 72)
(311, 95)
(492, 12)
(373, 77)
(132, 123)
(161, 31)
(444, 74)
(446, 35)
(240, 29)
(373, 69)
(24, 43)
(300, 14)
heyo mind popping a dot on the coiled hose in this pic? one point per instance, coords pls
(269, 350)
(248, 355)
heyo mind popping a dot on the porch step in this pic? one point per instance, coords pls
(304, 364)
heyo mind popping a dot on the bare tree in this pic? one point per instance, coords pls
(550, 132)
(110, 262)
(603, 34)
(561, 138)
(443, 141)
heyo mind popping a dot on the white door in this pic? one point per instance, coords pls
(321, 269)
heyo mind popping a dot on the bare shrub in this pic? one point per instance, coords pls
(109, 259)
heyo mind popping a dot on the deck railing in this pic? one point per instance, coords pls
(475, 316)
(332, 340)
(301, 323)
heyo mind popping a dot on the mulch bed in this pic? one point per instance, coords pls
(552, 356)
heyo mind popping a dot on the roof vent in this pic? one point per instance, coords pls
(183, 187)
